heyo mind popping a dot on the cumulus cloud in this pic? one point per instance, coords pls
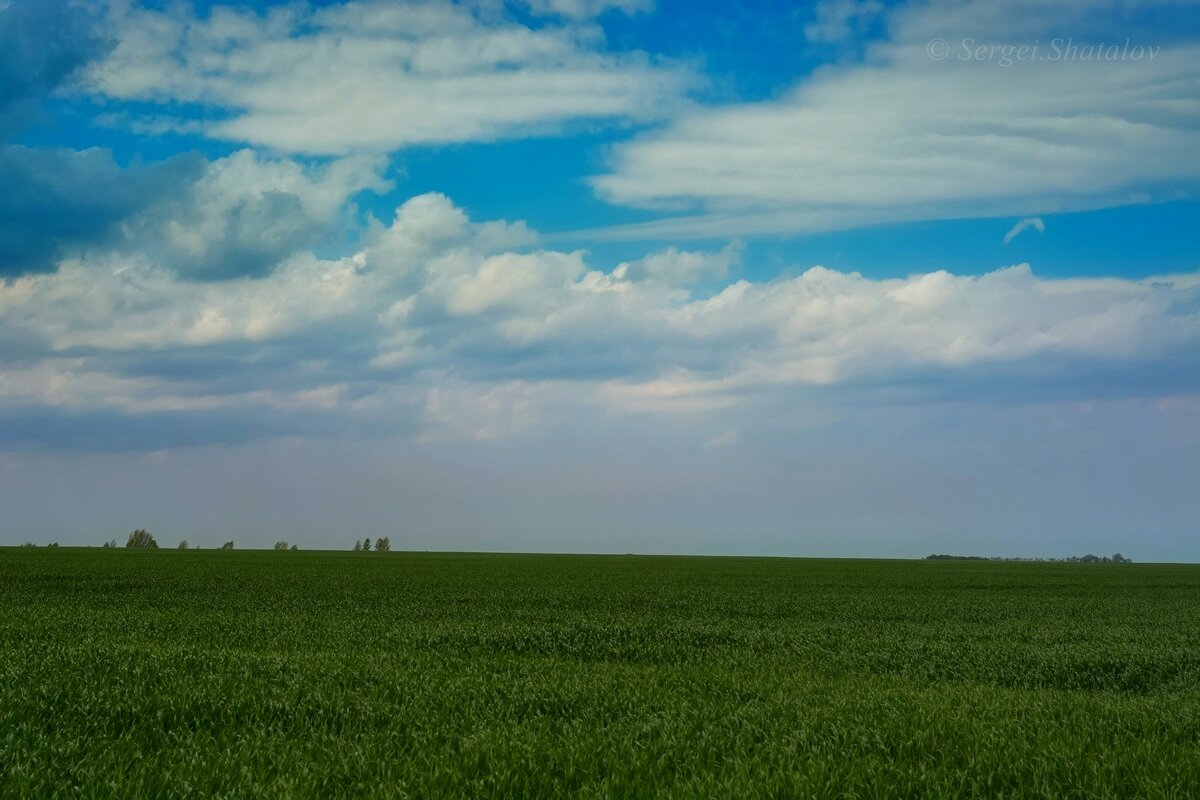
(238, 215)
(675, 267)
(245, 213)
(435, 320)
(1029, 222)
(377, 76)
(909, 133)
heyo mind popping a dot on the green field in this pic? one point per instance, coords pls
(250, 674)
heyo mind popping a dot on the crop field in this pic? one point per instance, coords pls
(251, 674)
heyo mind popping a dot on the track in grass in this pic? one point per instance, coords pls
(250, 674)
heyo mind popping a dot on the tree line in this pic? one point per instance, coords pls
(1115, 558)
(142, 539)
(382, 545)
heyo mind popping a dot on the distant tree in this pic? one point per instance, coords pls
(29, 544)
(52, 544)
(382, 545)
(141, 538)
(357, 546)
(294, 547)
(183, 545)
(226, 546)
(1119, 559)
(366, 545)
(281, 545)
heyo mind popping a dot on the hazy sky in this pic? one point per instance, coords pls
(850, 278)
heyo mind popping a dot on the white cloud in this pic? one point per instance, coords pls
(438, 307)
(903, 135)
(518, 282)
(1029, 222)
(245, 213)
(75, 385)
(377, 76)
(675, 267)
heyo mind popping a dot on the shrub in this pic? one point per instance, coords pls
(141, 538)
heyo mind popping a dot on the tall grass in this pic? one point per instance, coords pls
(170, 673)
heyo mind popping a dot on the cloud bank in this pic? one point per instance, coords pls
(469, 327)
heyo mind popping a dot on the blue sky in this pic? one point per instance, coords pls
(843, 278)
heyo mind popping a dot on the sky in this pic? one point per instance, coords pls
(848, 278)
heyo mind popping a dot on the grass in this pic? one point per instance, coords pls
(252, 674)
